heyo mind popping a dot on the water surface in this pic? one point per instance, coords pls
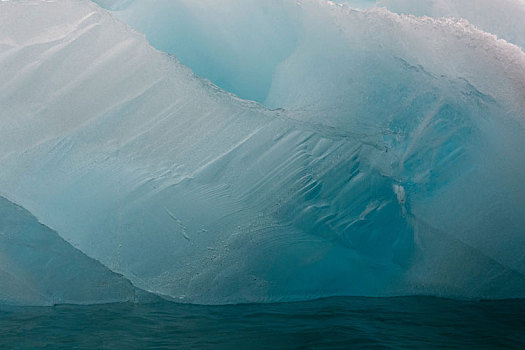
(396, 323)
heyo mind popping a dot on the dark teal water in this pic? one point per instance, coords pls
(336, 323)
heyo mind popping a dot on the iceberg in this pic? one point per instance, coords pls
(386, 166)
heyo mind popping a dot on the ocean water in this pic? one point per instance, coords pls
(334, 323)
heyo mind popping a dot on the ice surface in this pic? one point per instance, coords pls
(503, 18)
(37, 267)
(396, 168)
(235, 44)
(248, 46)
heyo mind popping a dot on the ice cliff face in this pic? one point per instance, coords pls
(395, 168)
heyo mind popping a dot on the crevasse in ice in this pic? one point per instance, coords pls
(392, 166)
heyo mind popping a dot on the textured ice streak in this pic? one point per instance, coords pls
(395, 169)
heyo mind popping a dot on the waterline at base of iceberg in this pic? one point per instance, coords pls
(394, 323)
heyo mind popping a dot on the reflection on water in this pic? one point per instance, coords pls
(410, 322)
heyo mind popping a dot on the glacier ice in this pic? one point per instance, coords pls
(40, 268)
(395, 168)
